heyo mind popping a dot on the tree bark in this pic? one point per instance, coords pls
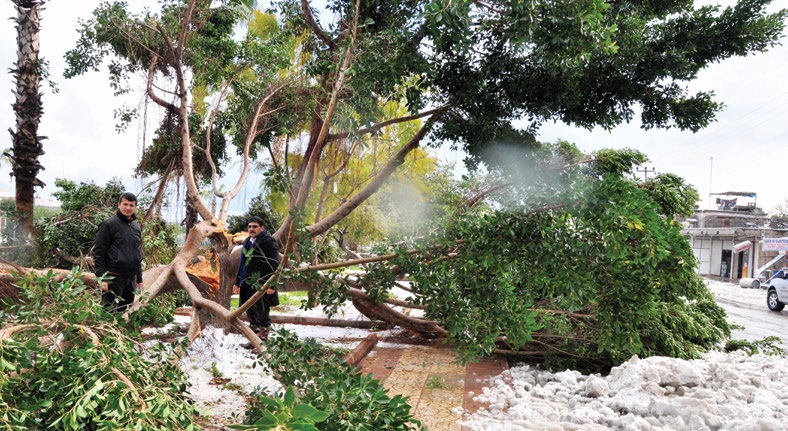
(27, 146)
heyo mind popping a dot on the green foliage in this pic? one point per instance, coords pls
(72, 232)
(617, 162)
(672, 194)
(159, 243)
(284, 414)
(215, 372)
(76, 197)
(258, 207)
(157, 312)
(587, 63)
(336, 396)
(585, 278)
(69, 365)
(770, 345)
(436, 382)
(15, 249)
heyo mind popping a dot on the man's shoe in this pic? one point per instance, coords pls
(263, 332)
(249, 346)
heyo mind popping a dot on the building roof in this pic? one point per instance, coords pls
(746, 194)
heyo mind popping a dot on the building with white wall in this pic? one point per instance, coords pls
(728, 240)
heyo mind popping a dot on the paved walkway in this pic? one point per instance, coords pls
(432, 380)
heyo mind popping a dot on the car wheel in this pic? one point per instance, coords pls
(773, 302)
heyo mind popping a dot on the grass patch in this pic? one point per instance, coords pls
(292, 298)
(436, 382)
(285, 298)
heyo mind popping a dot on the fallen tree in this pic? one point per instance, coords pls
(487, 66)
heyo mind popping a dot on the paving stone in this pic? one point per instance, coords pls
(435, 384)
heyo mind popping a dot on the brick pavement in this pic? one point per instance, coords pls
(433, 381)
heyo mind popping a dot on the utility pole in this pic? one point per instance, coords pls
(646, 171)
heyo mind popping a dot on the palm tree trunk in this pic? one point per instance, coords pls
(27, 147)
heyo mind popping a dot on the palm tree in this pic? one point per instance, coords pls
(27, 147)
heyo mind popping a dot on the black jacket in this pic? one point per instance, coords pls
(263, 262)
(118, 248)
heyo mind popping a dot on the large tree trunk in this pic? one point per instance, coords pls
(27, 145)
(227, 262)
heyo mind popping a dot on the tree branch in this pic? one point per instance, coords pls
(474, 200)
(316, 29)
(376, 127)
(153, 96)
(374, 185)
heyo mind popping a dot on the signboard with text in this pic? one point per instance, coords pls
(774, 244)
(740, 247)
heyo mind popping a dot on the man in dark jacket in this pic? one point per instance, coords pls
(118, 253)
(259, 259)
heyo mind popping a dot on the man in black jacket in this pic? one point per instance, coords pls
(259, 259)
(118, 253)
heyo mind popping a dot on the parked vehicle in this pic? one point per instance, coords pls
(777, 290)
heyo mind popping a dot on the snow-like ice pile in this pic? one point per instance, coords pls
(719, 392)
(733, 293)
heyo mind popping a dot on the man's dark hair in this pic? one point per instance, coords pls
(131, 197)
(255, 219)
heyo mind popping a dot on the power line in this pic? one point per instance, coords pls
(646, 171)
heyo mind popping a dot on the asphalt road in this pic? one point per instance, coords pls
(758, 322)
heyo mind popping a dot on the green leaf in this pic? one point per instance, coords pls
(267, 419)
(290, 396)
(306, 411)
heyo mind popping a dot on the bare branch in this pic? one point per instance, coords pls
(251, 134)
(316, 29)
(152, 94)
(376, 127)
(374, 185)
(159, 193)
(474, 200)
(312, 162)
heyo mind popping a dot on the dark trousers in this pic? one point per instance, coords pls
(258, 313)
(120, 294)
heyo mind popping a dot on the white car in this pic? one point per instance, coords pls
(777, 290)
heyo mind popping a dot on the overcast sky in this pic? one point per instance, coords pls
(747, 143)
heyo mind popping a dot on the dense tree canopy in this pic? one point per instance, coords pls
(586, 276)
(556, 255)
(303, 89)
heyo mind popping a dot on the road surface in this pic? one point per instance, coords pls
(758, 322)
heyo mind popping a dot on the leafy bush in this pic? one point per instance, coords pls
(257, 207)
(67, 364)
(351, 400)
(14, 249)
(770, 346)
(284, 414)
(72, 232)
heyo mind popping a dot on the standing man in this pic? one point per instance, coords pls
(118, 253)
(259, 259)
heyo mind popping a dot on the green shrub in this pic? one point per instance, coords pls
(72, 232)
(352, 400)
(767, 346)
(67, 364)
(284, 414)
(14, 248)
(257, 207)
